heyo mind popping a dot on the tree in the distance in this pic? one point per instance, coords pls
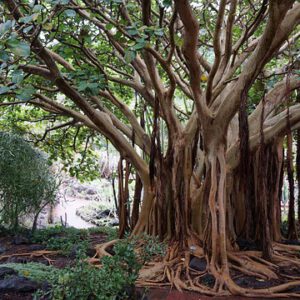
(195, 70)
(26, 183)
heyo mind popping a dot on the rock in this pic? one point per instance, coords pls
(291, 242)
(36, 247)
(208, 280)
(253, 282)
(247, 244)
(19, 260)
(18, 284)
(91, 191)
(74, 251)
(198, 264)
(20, 240)
(2, 249)
(114, 222)
(4, 271)
(105, 213)
(79, 188)
(90, 252)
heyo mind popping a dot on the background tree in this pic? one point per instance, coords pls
(26, 183)
(191, 67)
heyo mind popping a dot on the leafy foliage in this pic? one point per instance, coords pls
(113, 281)
(35, 271)
(66, 238)
(61, 238)
(26, 183)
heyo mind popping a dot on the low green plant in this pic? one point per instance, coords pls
(35, 271)
(66, 238)
(110, 232)
(115, 280)
(150, 246)
(62, 238)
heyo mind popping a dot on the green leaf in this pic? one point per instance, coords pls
(4, 89)
(4, 55)
(48, 26)
(129, 56)
(17, 76)
(3, 65)
(29, 19)
(27, 29)
(6, 26)
(139, 46)
(132, 31)
(70, 13)
(167, 3)
(25, 94)
(159, 32)
(109, 26)
(37, 8)
(19, 48)
(178, 41)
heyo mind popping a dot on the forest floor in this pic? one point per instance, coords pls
(12, 250)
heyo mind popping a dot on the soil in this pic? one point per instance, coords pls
(166, 293)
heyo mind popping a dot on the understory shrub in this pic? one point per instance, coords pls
(66, 238)
(114, 280)
(62, 238)
(26, 183)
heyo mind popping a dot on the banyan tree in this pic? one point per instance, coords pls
(199, 98)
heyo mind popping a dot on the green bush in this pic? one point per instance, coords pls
(26, 184)
(115, 280)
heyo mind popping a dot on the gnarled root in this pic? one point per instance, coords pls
(39, 253)
(174, 270)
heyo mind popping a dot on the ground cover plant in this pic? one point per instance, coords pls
(81, 280)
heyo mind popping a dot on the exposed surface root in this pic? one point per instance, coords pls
(39, 253)
(102, 249)
(174, 271)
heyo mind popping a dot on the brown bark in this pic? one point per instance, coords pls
(123, 197)
(136, 201)
(298, 170)
(292, 230)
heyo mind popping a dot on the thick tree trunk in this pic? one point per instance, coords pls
(215, 241)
